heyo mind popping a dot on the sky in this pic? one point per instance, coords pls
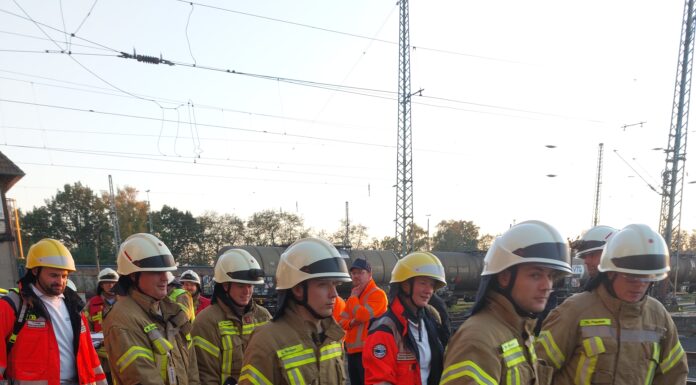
(291, 105)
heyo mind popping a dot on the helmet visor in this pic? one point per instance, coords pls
(246, 275)
(326, 265)
(546, 250)
(165, 260)
(643, 278)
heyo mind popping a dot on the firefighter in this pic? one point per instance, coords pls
(614, 333)
(178, 295)
(589, 247)
(44, 338)
(494, 345)
(302, 343)
(191, 282)
(222, 331)
(403, 345)
(99, 305)
(146, 334)
(366, 301)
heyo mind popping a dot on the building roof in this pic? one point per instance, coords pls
(9, 173)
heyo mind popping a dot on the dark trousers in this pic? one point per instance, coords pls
(356, 372)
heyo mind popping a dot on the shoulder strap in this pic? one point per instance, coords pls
(15, 301)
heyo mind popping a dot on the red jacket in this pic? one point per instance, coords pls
(390, 353)
(202, 303)
(34, 357)
(95, 313)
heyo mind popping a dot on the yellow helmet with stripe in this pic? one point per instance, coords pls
(419, 264)
(50, 253)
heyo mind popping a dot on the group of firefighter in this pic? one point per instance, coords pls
(157, 333)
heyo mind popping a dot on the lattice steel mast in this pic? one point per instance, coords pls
(673, 175)
(114, 215)
(404, 165)
(598, 185)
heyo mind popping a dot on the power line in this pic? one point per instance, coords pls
(323, 29)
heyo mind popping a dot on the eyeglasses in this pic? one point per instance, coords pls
(647, 278)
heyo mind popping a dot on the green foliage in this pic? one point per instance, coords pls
(457, 236)
(181, 232)
(272, 228)
(220, 230)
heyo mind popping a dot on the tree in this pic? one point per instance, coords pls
(460, 236)
(420, 239)
(485, 242)
(271, 228)
(77, 217)
(182, 233)
(220, 230)
(357, 235)
(132, 213)
(389, 243)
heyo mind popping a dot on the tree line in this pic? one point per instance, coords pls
(81, 219)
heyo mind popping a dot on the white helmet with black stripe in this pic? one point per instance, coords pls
(144, 252)
(636, 249)
(310, 258)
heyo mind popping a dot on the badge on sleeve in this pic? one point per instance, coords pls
(379, 351)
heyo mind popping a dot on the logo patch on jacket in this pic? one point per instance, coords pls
(36, 324)
(379, 351)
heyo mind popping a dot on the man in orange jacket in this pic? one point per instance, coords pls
(366, 301)
(44, 338)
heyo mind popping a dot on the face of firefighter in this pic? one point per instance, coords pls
(628, 287)
(106, 287)
(592, 261)
(321, 295)
(153, 283)
(191, 287)
(51, 281)
(422, 290)
(240, 293)
(532, 286)
(360, 277)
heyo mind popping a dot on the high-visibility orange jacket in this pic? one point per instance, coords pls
(371, 303)
(34, 358)
(339, 307)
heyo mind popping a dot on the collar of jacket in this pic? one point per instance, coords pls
(371, 284)
(231, 315)
(153, 307)
(505, 310)
(331, 329)
(618, 307)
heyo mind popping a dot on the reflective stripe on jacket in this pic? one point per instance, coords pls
(494, 346)
(220, 338)
(288, 351)
(184, 300)
(371, 303)
(594, 337)
(35, 358)
(390, 353)
(148, 342)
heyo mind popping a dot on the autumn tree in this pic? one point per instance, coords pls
(273, 228)
(220, 230)
(182, 233)
(460, 236)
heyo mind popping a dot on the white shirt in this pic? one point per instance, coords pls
(60, 319)
(424, 353)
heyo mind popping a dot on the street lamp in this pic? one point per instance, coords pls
(428, 231)
(149, 212)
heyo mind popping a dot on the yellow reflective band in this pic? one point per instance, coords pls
(653, 364)
(552, 350)
(514, 356)
(586, 367)
(206, 345)
(227, 349)
(510, 345)
(593, 346)
(253, 375)
(97, 317)
(149, 328)
(296, 377)
(300, 358)
(162, 345)
(595, 322)
(469, 369)
(131, 354)
(289, 350)
(672, 358)
(513, 376)
(330, 351)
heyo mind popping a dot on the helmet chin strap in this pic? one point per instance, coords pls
(304, 303)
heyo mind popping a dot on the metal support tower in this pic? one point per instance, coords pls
(598, 185)
(346, 236)
(114, 216)
(404, 165)
(673, 175)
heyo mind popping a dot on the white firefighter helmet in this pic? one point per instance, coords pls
(592, 240)
(310, 258)
(190, 276)
(636, 249)
(237, 265)
(528, 242)
(107, 275)
(144, 252)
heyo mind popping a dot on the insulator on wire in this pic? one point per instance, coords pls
(148, 59)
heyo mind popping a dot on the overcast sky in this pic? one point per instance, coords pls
(308, 120)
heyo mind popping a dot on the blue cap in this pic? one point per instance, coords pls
(361, 264)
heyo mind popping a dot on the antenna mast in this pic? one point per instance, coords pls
(114, 216)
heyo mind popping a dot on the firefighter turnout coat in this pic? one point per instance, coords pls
(494, 346)
(287, 351)
(595, 338)
(371, 303)
(391, 354)
(148, 342)
(220, 337)
(34, 358)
